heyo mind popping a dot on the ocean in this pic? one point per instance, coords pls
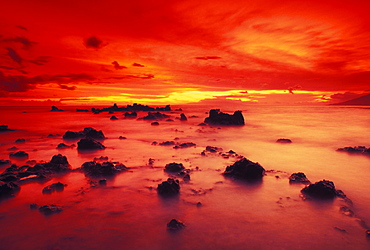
(218, 212)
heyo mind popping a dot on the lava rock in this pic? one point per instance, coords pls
(95, 169)
(174, 167)
(245, 169)
(155, 123)
(55, 187)
(88, 132)
(50, 209)
(19, 154)
(323, 189)
(8, 189)
(282, 140)
(298, 178)
(169, 187)
(175, 225)
(218, 118)
(89, 144)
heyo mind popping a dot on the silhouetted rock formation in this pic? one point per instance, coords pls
(95, 169)
(20, 140)
(298, 178)
(355, 150)
(245, 169)
(154, 123)
(55, 187)
(4, 162)
(175, 225)
(174, 167)
(19, 154)
(169, 187)
(323, 189)
(185, 145)
(167, 143)
(135, 107)
(89, 144)
(183, 117)
(130, 114)
(5, 128)
(282, 140)
(113, 117)
(50, 209)
(8, 189)
(63, 146)
(218, 118)
(54, 108)
(155, 116)
(88, 132)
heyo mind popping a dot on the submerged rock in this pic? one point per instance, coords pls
(282, 140)
(174, 167)
(88, 132)
(50, 209)
(323, 189)
(298, 178)
(356, 150)
(89, 144)
(245, 169)
(19, 154)
(169, 187)
(218, 118)
(55, 187)
(8, 189)
(175, 225)
(95, 169)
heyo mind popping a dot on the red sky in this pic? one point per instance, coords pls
(166, 51)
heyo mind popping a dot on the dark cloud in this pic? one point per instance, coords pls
(41, 60)
(27, 44)
(14, 56)
(345, 96)
(295, 87)
(207, 57)
(137, 65)
(94, 42)
(20, 83)
(117, 66)
(144, 76)
(63, 86)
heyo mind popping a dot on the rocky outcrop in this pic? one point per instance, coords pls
(355, 150)
(88, 132)
(174, 167)
(175, 225)
(218, 118)
(135, 107)
(130, 114)
(155, 116)
(323, 190)
(48, 209)
(113, 117)
(245, 169)
(19, 155)
(298, 178)
(5, 128)
(169, 187)
(96, 169)
(183, 117)
(55, 187)
(55, 109)
(8, 189)
(89, 144)
(185, 145)
(283, 140)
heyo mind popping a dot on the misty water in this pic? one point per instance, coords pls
(128, 213)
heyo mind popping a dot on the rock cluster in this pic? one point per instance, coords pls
(218, 118)
(96, 169)
(88, 132)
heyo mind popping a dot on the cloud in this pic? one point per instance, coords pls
(345, 96)
(14, 56)
(117, 66)
(137, 65)
(143, 76)
(41, 60)
(207, 57)
(63, 86)
(27, 44)
(295, 87)
(22, 27)
(94, 42)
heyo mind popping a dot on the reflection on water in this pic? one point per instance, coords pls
(219, 212)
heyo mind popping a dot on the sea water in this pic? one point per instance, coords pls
(128, 213)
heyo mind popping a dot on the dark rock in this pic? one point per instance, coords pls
(50, 209)
(20, 140)
(282, 140)
(218, 118)
(213, 149)
(86, 133)
(8, 189)
(34, 206)
(155, 116)
(155, 123)
(19, 154)
(298, 178)
(55, 187)
(245, 169)
(52, 136)
(185, 145)
(113, 117)
(4, 162)
(175, 225)
(12, 149)
(130, 114)
(202, 124)
(186, 177)
(101, 158)
(167, 143)
(169, 187)
(89, 144)
(95, 169)
(355, 150)
(54, 108)
(62, 146)
(5, 128)
(59, 159)
(183, 117)
(122, 138)
(323, 189)
(174, 167)
(134, 107)
(103, 182)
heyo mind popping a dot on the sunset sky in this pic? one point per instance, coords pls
(173, 52)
